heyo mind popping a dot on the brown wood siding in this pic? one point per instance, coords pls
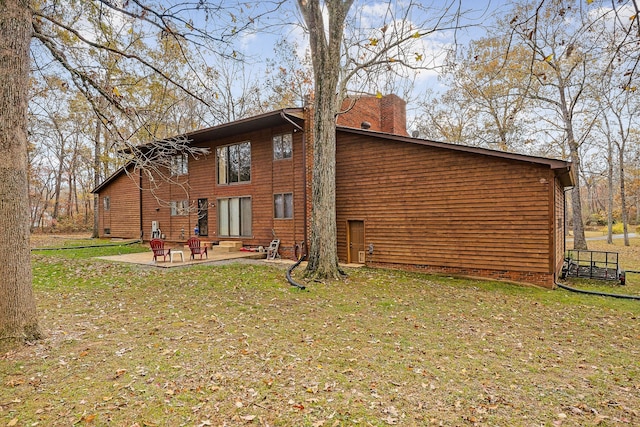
(430, 206)
(123, 217)
(559, 218)
(268, 177)
(157, 195)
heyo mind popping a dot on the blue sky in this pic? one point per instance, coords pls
(371, 14)
(258, 45)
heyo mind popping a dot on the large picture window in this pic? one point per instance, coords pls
(180, 164)
(283, 206)
(282, 146)
(234, 217)
(234, 163)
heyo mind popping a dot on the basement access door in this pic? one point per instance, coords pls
(355, 240)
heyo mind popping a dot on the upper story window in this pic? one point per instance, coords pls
(180, 164)
(179, 208)
(106, 203)
(282, 146)
(234, 163)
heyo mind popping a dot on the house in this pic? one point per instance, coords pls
(401, 202)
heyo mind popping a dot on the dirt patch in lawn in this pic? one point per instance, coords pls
(42, 240)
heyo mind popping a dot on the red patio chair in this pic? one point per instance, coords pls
(157, 246)
(194, 246)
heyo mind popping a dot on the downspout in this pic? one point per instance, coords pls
(285, 117)
(564, 215)
(304, 192)
(304, 175)
(140, 204)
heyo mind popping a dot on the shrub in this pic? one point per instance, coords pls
(617, 228)
(597, 218)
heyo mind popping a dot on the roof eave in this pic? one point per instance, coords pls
(561, 166)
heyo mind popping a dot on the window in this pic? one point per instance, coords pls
(283, 205)
(180, 164)
(106, 203)
(234, 163)
(107, 231)
(282, 146)
(234, 217)
(180, 208)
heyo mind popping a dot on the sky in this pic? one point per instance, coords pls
(373, 16)
(368, 17)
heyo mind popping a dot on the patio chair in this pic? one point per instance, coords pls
(272, 250)
(157, 246)
(196, 248)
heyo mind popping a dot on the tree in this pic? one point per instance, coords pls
(289, 77)
(621, 114)
(235, 93)
(18, 319)
(363, 59)
(448, 117)
(61, 32)
(325, 43)
(483, 81)
(616, 95)
(560, 67)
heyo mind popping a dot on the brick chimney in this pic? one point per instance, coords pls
(393, 115)
(387, 114)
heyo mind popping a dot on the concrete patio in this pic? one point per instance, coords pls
(146, 258)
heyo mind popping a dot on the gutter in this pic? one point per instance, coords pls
(285, 117)
(304, 175)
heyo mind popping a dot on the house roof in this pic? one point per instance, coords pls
(248, 124)
(295, 116)
(273, 118)
(562, 168)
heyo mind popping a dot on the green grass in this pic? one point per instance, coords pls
(92, 248)
(237, 345)
(628, 259)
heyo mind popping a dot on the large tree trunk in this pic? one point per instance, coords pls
(323, 254)
(325, 44)
(18, 321)
(579, 239)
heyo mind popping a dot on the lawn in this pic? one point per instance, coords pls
(629, 261)
(235, 344)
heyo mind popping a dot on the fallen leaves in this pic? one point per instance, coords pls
(15, 382)
(85, 419)
(233, 346)
(119, 373)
